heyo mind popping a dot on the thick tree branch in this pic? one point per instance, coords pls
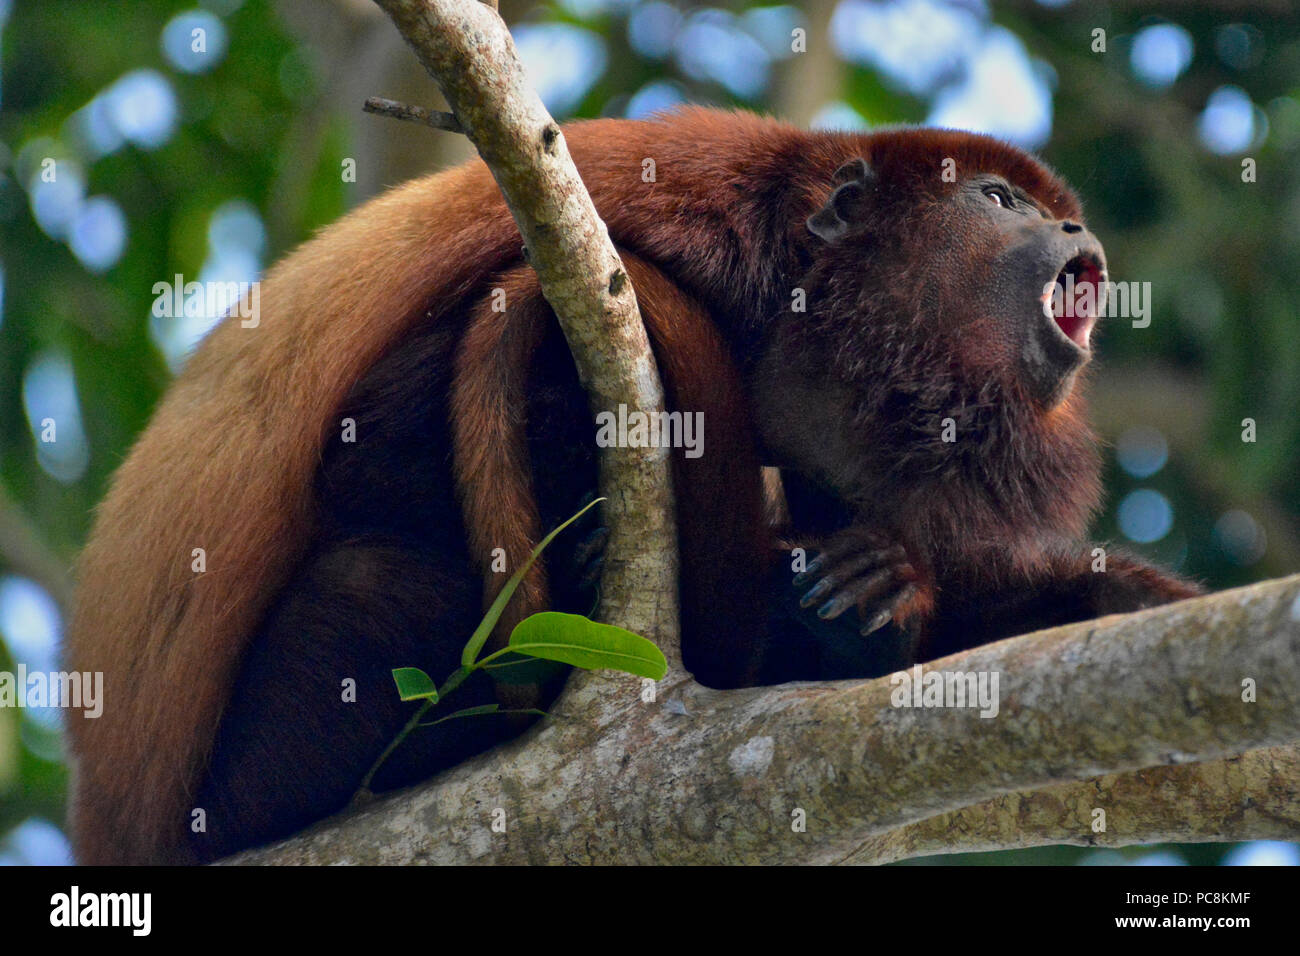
(1255, 796)
(468, 51)
(707, 776)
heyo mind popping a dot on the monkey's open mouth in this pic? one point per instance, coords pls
(1073, 300)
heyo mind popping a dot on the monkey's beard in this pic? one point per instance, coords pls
(957, 443)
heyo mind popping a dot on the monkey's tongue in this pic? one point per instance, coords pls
(1075, 299)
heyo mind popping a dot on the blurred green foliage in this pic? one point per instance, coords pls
(1221, 253)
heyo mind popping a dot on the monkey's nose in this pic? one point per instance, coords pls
(1071, 227)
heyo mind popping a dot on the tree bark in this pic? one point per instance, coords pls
(701, 776)
(468, 51)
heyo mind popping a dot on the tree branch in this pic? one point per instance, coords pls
(1255, 796)
(415, 114)
(24, 552)
(468, 51)
(709, 777)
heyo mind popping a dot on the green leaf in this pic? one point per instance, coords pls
(574, 639)
(414, 684)
(480, 635)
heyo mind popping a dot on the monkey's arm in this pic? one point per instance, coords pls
(1067, 589)
(900, 619)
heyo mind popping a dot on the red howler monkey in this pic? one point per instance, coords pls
(329, 559)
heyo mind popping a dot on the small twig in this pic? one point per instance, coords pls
(364, 794)
(415, 114)
(457, 678)
(23, 551)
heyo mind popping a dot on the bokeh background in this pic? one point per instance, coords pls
(206, 137)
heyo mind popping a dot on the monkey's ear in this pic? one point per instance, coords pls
(855, 170)
(847, 203)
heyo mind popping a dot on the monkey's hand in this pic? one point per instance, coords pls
(861, 568)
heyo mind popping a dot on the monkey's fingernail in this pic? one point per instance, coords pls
(904, 594)
(818, 591)
(832, 608)
(879, 620)
(808, 573)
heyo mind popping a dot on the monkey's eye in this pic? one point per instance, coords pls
(999, 196)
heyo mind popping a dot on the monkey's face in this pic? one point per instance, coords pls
(1005, 281)
(1034, 283)
(928, 301)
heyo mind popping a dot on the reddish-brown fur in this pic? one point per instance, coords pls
(491, 376)
(227, 463)
(490, 459)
